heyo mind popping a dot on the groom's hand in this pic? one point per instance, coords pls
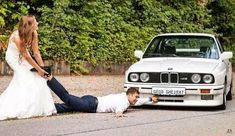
(154, 98)
(119, 115)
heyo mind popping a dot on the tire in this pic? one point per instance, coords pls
(229, 96)
(223, 106)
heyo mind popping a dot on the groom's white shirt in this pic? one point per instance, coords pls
(116, 103)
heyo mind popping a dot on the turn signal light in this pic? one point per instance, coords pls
(203, 91)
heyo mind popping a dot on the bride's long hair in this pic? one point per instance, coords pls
(26, 31)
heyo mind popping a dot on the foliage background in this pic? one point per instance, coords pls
(108, 31)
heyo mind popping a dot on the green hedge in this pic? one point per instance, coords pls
(108, 31)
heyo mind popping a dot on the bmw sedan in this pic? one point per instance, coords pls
(183, 69)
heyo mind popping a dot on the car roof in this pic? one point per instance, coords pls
(186, 34)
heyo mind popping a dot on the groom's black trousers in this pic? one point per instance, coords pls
(72, 103)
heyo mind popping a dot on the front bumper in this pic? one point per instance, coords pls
(193, 95)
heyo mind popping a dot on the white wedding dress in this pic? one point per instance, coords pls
(27, 94)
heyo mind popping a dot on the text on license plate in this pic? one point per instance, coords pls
(168, 91)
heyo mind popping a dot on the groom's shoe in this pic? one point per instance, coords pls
(46, 68)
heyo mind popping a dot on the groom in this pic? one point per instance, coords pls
(117, 103)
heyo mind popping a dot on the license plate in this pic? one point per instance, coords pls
(168, 91)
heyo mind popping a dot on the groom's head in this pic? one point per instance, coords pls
(132, 94)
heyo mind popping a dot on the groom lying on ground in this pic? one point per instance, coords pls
(117, 103)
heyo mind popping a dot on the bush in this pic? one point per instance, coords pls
(108, 32)
(10, 12)
(3, 41)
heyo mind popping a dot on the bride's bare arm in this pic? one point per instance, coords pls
(25, 54)
(35, 49)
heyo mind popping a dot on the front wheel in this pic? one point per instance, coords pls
(229, 95)
(223, 106)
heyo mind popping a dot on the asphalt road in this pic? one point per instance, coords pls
(144, 121)
(138, 122)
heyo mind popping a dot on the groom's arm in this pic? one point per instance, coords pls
(142, 101)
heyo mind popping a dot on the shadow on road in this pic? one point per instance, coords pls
(176, 108)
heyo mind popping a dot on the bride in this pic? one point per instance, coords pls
(27, 94)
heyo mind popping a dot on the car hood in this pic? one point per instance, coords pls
(191, 65)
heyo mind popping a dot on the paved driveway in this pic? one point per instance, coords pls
(138, 122)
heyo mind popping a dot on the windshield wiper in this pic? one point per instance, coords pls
(159, 55)
(169, 55)
(153, 55)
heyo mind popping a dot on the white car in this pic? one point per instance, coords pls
(183, 69)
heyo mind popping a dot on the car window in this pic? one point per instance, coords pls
(182, 46)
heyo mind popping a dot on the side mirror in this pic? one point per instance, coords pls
(138, 54)
(226, 55)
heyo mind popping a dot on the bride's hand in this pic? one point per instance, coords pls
(42, 73)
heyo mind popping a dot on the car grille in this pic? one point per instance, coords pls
(169, 77)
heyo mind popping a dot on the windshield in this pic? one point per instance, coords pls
(182, 46)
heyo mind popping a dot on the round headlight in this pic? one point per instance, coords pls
(196, 78)
(207, 78)
(134, 77)
(144, 77)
